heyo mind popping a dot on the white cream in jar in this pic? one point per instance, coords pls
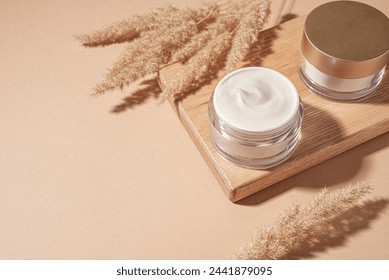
(255, 117)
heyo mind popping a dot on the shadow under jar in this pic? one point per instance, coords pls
(344, 50)
(255, 117)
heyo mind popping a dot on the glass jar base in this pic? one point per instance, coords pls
(340, 95)
(259, 163)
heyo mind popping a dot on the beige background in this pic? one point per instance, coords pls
(98, 179)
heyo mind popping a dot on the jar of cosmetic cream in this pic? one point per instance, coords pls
(255, 117)
(344, 50)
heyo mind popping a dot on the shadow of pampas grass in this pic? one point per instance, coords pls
(354, 220)
(149, 89)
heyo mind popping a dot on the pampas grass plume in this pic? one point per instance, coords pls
(169, 34)
(299, 223)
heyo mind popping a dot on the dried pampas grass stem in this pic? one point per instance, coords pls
(298, 223)
(199, 66)
(169, 34)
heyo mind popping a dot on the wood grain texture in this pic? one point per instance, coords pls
(329, 128)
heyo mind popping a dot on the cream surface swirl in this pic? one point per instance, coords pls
(255, 99)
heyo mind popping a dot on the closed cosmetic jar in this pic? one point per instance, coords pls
(344, 50)
(255, 117)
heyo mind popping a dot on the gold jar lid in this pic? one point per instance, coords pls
(346, 39)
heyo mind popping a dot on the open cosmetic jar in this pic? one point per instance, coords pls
(255, 117)
(344, 50)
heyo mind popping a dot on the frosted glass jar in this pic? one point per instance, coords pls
(344, 50)
(255, 117)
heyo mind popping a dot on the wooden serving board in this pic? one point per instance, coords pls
(329, 128)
